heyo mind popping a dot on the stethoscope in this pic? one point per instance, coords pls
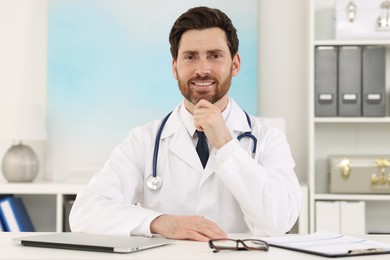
(154, 182)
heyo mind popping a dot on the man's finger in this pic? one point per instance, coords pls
(203, 104)
(210, 229)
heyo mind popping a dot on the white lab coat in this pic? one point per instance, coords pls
(240, 194)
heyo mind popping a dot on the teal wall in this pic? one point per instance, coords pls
(109, 69)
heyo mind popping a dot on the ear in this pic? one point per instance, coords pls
(174, 68)
(236, 64)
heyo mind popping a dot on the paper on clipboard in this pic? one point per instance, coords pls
(329, 244)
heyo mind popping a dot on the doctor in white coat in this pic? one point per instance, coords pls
(234, 193)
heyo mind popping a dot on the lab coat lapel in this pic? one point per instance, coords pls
(236, 120)
(181, 144)
(211, 166)
(183, 148)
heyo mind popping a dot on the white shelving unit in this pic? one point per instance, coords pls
(341, 135)
(44, 201)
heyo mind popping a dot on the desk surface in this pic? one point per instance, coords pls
(179, 250)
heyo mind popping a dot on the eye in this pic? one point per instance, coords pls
(215, 56)
(189, 57)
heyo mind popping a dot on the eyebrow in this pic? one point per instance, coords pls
(208, 52)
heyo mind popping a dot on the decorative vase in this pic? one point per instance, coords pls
(20, 164)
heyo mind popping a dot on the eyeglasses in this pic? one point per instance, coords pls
(238, 244)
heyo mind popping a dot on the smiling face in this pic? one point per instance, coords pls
(204, 67)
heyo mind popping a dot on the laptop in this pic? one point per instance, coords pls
(93, 242)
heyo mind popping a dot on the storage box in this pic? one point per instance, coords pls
(359, 173)
(362, 19)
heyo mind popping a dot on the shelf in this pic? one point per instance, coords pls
(362, 42)
(373, 120)
(357, 197)
(40, 188)
(44, 196)
(343, 135)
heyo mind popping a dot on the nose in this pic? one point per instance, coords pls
(203, 68)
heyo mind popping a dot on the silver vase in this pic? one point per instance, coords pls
(20, 164)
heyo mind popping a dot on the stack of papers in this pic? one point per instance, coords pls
(329, 244)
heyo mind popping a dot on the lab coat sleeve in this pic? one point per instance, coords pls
(107, 204)
(266, 187)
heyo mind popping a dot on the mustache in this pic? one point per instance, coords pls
(203, 78)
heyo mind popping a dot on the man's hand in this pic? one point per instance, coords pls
(208, 118)
(186, 227)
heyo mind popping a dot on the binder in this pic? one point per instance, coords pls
(14, 215)
(374, 81)
(329, 244)
(325, 81)
(349, 81)
(328, 216)
(2, 229)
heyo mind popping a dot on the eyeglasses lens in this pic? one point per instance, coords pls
(255, 244)
(225, 244)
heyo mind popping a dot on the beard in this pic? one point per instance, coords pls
(212, 96)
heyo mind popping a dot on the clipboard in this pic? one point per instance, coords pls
(329, 244)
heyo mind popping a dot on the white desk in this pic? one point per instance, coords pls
(181, 250)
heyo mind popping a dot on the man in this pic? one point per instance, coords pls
(202, 197)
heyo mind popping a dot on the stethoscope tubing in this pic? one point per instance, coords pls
(154, 182)
(157, 144)
(249, 134)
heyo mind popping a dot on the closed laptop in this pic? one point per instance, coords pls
(93, 242)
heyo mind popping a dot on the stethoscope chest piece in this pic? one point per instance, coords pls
(154, 183)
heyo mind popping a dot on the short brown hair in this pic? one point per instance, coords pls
(199, 18)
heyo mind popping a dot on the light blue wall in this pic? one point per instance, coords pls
(109, 69)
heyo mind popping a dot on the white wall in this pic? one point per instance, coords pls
(23, 48)
(283, 66)
(23, 59)
(282, 63)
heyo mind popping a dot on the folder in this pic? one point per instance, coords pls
(1, 224)
(2, 228)
(325, 71)
(329, 244)
(328, 216)
(349, 81)
(14, 215)
(374, 81)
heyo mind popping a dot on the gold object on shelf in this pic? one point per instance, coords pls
(383, 21)
(381, 164)
(351, 11)
(345, 168)
(359, 173)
